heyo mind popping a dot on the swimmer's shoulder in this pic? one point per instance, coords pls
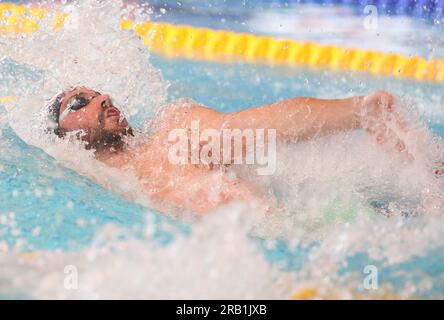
(182, 105)
(180, 112)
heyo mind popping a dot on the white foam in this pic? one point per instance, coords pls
(340, 173)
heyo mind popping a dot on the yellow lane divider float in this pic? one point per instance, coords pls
(18, 19)
(207, 44)
(6, 102)
(7, 99)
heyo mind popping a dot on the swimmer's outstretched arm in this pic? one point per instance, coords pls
(300, 119)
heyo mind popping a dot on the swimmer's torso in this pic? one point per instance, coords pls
(192, 186)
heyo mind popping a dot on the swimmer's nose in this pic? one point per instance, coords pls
(106, 101)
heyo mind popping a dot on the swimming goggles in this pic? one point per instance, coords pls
(76, 103)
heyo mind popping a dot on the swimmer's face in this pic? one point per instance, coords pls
(91, 112)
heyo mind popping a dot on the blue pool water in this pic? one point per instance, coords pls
(68, 209)
(60, 215)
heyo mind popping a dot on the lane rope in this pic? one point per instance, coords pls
(182, 41)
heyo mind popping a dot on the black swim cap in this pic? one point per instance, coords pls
(54, 114)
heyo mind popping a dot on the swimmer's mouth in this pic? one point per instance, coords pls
(112, 112)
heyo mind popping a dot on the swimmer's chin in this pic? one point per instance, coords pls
(116, 123)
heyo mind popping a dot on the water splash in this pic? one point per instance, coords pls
(92, 51)
(345, 201)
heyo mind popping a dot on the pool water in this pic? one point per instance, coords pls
(52, 217)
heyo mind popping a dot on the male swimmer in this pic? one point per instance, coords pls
(91, 117)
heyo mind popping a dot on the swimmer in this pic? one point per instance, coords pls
(92, 117)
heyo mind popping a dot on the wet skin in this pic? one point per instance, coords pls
(201, 189)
